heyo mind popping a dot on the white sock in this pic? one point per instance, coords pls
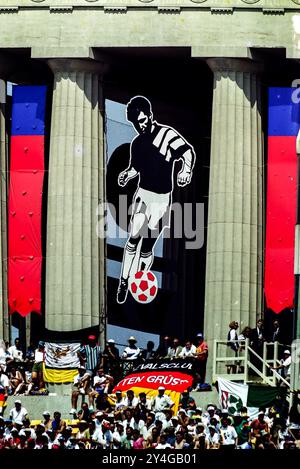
(129, 254)
(146, 261)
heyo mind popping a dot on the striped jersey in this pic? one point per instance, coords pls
(92, 355)
(153, 155)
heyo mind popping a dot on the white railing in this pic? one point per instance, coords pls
(236, 365)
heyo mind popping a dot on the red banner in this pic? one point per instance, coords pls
(175, 376)
(281, 199)
(152, 380)
(25, 199)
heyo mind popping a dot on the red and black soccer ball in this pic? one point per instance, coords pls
(143, 286)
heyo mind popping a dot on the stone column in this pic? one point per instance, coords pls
(233, 286)
(75, 261)
(6, 68)
(4, 321)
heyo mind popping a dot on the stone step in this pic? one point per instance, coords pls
(36, 405)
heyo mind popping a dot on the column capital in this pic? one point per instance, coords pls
(224, 64)
(77, 65)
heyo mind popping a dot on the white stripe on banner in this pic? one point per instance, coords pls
(62, 356)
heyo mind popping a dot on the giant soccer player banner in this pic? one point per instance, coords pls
(151, 174)
(175, 376)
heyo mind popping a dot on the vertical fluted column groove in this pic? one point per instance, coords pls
(234, 238)
(74, 293)
(4, 319)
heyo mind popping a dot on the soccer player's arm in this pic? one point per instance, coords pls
(130, 172)
(181, 149)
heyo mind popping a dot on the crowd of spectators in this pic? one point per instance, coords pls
(21, 373)
(137, 423)
(129, 421)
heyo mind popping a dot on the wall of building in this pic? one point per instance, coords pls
(71, 27)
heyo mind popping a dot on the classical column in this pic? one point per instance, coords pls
(233, 287)
(75, 261)
(6, 68)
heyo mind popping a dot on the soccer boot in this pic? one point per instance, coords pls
(122, 290)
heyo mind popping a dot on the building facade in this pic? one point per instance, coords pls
(212, 60)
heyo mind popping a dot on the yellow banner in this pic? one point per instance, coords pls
(59, 376)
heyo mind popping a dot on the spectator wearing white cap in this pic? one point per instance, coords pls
(212, 439)
(132, 352)
(209, 414)
(285, 365)
(160, 403)
(183, 417)
(99, 417)
(47, 420)
(18, 413)
(175, 423)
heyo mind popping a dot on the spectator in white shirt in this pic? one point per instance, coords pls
(4, 354)
(4, 387)
(103, 435)
(37, 369)
(175, 349)
(285, 365)
(209, 414)
(132, 352)
(119, 404)
(232, 337)
(212, 439)
(136, 422)
(118, 436)
(228, 433)
(130, 400)
(15, 353)
(188, 351)
(160, 403)
(147, 429)
(163, 442)
(18, 413)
